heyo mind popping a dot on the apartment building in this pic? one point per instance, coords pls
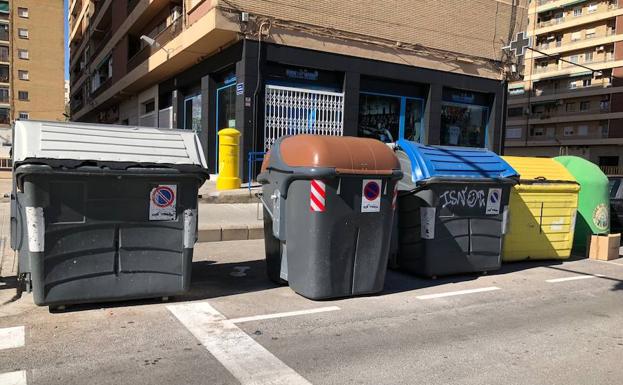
(570, 100)
(31, 63)
(272, 68)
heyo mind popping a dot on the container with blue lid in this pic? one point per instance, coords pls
(452, 209)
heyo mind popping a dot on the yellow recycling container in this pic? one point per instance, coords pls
(228, 170)
(542, 210)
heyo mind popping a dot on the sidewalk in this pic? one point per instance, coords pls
(230, 222)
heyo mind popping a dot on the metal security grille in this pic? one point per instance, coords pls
(291, 111)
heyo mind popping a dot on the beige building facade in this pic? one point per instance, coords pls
(570, 100)
(387, 69)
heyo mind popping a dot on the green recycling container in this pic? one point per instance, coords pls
(594, 200)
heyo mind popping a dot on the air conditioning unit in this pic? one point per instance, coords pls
(600, 48)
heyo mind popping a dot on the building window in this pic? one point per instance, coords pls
(585, 106)
(583, 130)
(22, 95)
(592, 7)
(603, 128)
(574, 58)
(22, 33)
(23, 75)
(568, 131)
(4, 116)
(515, 111)
(570, 107)
(575, 36)
(23, 115)
(577, 11)
(604, 105)
(586, 82)
(4, 95)
(23, 54)
(588, 57)
(537, 131)
(381, 117)
(148, 107)
(573, 85)
(513, 133)
(22, 12)
(4, 53)
(192, 113)
(590, 33)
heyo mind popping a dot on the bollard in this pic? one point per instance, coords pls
(228, 170)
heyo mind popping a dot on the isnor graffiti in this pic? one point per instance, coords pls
(463, 198)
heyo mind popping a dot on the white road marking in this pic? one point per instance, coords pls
(11, 338)
(286, 314)
(574, 278)
(459, 292)
(13, 378)
(245, 359)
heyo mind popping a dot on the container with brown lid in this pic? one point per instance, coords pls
(328, 213)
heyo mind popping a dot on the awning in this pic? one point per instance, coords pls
(4, 6)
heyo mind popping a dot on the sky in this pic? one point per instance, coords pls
(66, 7)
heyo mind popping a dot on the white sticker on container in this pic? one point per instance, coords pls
(427, 222)
(505, 223)
(162, 203)
(36, 229)
(493, 201)
(371, 196)
(557, 224)
(190, 228)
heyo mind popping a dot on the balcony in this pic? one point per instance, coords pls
(103, 87)
(555, 68)
(76, 105)
(165, 36)
(611, 170)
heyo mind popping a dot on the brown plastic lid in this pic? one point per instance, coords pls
(266, 161)
(348, 155)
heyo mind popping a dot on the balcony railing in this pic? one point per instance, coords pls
(565, 90)
(6, 163)
(611, 170)
(540, 69)
(165, 36)
(103, 87)
(559, 20)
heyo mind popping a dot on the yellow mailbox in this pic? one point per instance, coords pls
(228, 172)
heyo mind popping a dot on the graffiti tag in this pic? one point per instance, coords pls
(464, 198)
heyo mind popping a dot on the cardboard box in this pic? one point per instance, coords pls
(604, 247)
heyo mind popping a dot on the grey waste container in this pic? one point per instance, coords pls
(328, 213)
(452, 209)
(102, 212)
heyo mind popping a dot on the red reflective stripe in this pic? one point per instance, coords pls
(319, 188)
(317, 202)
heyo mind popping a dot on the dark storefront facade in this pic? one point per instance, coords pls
(269, 90)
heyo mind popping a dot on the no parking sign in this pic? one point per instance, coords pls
(371, 196)
(162, 202)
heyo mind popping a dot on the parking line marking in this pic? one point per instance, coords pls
(459, 292)
(282, 315)
(13, 378)
(12, 337)
(574, 278)
(245, 359)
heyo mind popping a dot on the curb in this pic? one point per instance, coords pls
(230, 233)
(230, 196)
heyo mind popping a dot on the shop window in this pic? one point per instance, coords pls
(390, 117)
(192, 113)
(463, 125)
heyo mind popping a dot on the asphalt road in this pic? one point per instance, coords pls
(531, 323)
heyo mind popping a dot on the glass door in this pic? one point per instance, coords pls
(225, 110)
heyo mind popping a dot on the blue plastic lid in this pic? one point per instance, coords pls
(454, 162)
